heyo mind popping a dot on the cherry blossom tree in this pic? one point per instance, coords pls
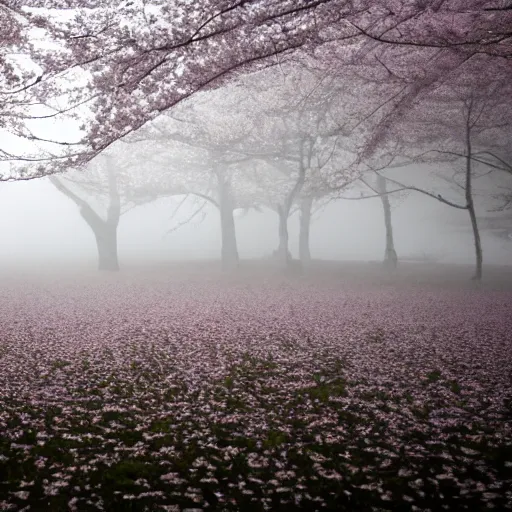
(108, 188)
(299, 129)
(116, 65)
(204, 150)
(251, 143)
(134, 60)
(453, 125)
(104, 229)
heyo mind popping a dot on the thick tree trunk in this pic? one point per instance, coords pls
(305, 222)
(390, 256)
(229, 251)
(106, 241)
(105, 231)
(229, 247)
(106, 238)
(470, 203)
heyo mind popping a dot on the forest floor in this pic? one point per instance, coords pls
(343, 388)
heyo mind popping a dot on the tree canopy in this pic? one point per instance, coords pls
(115, 65)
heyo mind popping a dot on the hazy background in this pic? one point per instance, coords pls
(39, 224)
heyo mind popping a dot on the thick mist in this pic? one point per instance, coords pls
(40, 225)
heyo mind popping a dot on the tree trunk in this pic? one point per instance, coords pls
(106, 238)
(283, 210)
(390, 256)
(477, 243)
(229, 247)
(106, 241)
(470, 203)
(229, 251)
(305, 222)
(105, 231)
(282, 253)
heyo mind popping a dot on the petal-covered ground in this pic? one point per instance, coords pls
(174, 392)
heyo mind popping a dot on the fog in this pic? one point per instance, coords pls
(40, 225)
(244, 161)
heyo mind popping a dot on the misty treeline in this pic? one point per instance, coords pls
(260, 105)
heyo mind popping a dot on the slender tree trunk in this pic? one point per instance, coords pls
(305, 222)
(283, 210)
(229, 251)
(283, 253)
(390, 256)
(470, 203)
(477, 243)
